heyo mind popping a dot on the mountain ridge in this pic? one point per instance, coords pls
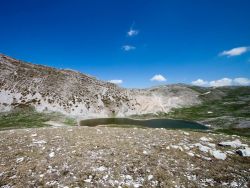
(74, 93)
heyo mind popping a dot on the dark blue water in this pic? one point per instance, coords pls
(152, 123)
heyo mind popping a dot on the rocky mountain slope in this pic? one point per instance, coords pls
(73, 93)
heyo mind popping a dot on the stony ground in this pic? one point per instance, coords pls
(116, 157)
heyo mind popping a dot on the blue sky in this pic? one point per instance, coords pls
(139, 42)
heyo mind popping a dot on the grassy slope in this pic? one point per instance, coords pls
(232, 102)
(229, 107)
(29, 118)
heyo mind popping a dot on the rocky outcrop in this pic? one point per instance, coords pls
(244, 152)
(76, 94)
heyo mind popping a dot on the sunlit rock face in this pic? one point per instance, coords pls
(76, 94)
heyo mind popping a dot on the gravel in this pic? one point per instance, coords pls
(119, 157)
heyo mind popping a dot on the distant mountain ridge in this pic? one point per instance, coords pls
(73, 93)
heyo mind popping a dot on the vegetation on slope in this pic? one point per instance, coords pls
(224, 108)
(234, 103)
(29, 118)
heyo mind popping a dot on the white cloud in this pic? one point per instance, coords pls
(235, 51)
(128, 48)
(221, 82)
(241, 81)
(158, 78)
(200, 82)
(116, 81)
(132, 32)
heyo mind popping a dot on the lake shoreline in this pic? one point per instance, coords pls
(150, 123)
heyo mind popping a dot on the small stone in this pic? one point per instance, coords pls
(19, 160)
(205, 139)
(39, 142)
(88, 180)
(212, 145)
(233, 184)
(52, 154)
(105, 177)
(41, 175)
(230, 152)
(101, 168)
(190, 154)
(137, 185)
(186, 133)
(206, 158)
(150, 177)
(177, 147)
(128, 177)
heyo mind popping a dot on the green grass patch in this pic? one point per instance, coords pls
(70, 121)
(218, 108)
(21, 120)
(31, 118)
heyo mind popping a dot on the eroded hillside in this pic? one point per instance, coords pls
(76, 94)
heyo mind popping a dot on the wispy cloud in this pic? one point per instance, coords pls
(128, 48)
(116, 81)
(241, 81)
(158, 78)
(235, 51)
(132, 32)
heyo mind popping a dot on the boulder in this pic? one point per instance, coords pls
(218, 154)
(244, 152)
(235, 144)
